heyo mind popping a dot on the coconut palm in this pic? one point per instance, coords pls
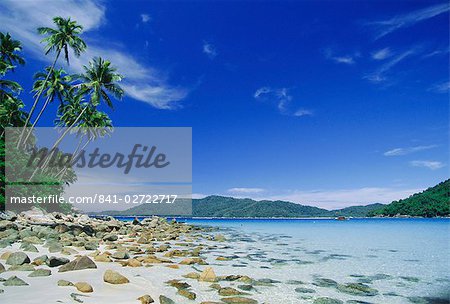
(54, 87)
(9, 49)
(99, 79)
(59, 39)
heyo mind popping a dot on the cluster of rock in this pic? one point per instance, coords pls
(131, 244)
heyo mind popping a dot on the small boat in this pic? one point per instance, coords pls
(341, 218)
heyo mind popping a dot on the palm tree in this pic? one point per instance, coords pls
(99, 79)
(65, 36)
(9, 49)
(54, 87)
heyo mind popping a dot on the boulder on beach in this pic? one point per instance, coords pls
(64, 283)
(57, 261)
(79, 263)
(17, 258)
(40, 273)
(113, 277)
(84, 287)
(15, 281)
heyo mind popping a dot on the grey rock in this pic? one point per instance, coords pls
(40, 273)
(17, 258)
(57, 261)
(15, 281)
(79, 263)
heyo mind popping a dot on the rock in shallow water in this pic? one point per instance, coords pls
(326, 300)
(208, 275)
(165, 300)
(357, 289)
(146, 299)
(64, 283)
(239, 300)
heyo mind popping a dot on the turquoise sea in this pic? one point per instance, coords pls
(404, 260)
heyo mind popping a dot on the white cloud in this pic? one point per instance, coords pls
(246, 190)
(141, 82)
(145, 18)
(380, 74)
(346, 59)
(408, 150)
(303, 112)
(381, 54)
(430, 164)
(388, 26)
(442, 87)
(340, 198)
(209, 50)
(280, 97)
(333, 198)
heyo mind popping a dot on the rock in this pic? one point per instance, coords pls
(55, 247)
(110, 237)
(114, 277)
(120, 255)
(215, 286)
(230, 291)
(136, 221)
(17, 258)
(178, 285)
(79, 263)
(75, 297)
(2, 268)
(165, 300)
(146, 299)
(40, 260)
(83, 287)
(192, 275)
(239, 300)
(64, 283)
(102, 258)
(32, 240)
(323, 282)
(304, 290)
(91, 245)
(28, 247)
(219, 238)
(326, 300)
(187, 294)
(24, 267)
(5, 255)
(357, 289)
(208, 275)
(40, 273)
(15, 281)
(134, 263)
(57, 261)
(245, 287)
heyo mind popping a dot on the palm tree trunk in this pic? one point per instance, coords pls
(37, 99)
(47, 160)
(37, 118)
(76, 153)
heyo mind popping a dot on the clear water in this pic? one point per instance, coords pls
(411, 255)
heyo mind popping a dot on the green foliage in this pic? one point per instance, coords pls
(434, 201)
(220, 206)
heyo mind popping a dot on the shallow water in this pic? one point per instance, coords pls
(405, 260)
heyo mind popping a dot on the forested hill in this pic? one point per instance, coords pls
(434, 201)
(221, 206)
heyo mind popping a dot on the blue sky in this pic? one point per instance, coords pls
(328, 103)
